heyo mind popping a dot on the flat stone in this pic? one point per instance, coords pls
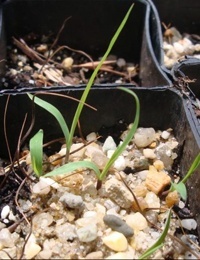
(72, 201)
(156, 181)
(116, 241)
(117, 224)
(137, 221)
(88, 233)
(118, 192)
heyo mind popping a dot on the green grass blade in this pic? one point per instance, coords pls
(129, 136)
(55, 112)
(66, 169)
(36, 150)
(193, 167)
(160, 241)
(93, 76)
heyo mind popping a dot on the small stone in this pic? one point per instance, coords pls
(116, 241)
(121, 63)
(118, 192)
(178, 47)
(88, 233)
(144, 137)
(72, 201)
(31, 250)
(66, 232)
(6, 239)
(42, 220)
(137, 221)
(117, 224)
(159, 165)
(140, 190)
(157, 181)
(67, 63)
(97, 156)
(42, 48)
(189, 223)
(5, 211)
(149, 153)
(172, 198)
(165, 135)
(94, 255)
(91, 137)
(109, 144)
(120, 163)
(77, 151)
(152, 200)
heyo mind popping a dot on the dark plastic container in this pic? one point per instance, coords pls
(161, 108)
(90, 29)
(183, 15)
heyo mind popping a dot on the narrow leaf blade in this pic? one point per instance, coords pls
(36, 150)
(72, 166)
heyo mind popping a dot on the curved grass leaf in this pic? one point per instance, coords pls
(94, 74)
(160, 242)
(55, 112)
(181, 188)
(36, 144)
(72, 166)
(128, 138)
(193, 167)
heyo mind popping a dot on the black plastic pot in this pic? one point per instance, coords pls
(186, 75)
(90, 29)
(182, 15)
(112, 105)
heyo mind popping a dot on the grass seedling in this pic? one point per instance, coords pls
(54, 111)
(180, 187)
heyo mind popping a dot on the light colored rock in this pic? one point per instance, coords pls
(67, 63)
(72, 201)
(6, 239)
(44, 185)
(88, 233)
(116, 241)
(144, 136)
(189, 223)
(165, 135)
(152, 200)
(109, 144)
(31, 248)
(136, 221)
(79, 154)
(120, 163)
(149, 153)
(156, 181)
(5, 211)
(94, 255)
(118, 192)
(159, 165)
(66, 232)
(42, 220)
(97, 156)
(91, 137)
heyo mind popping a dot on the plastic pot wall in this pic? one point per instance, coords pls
(112, 105)
(184, 15)
(90, 29)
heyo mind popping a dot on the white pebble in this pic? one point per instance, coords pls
(189, 223)
(165, 135)
(149, 153)
(5, 211)
(88, 233)
(136, 221)
(109, 144)
(116, 241)
(91, 137)
(120, 163)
